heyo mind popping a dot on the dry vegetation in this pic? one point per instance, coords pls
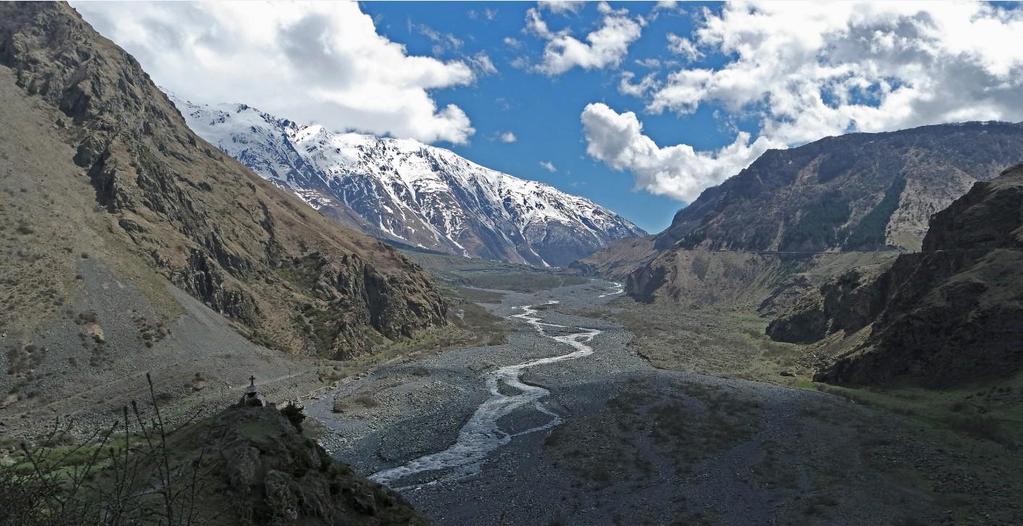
(643, 429)
(953, 450)
(123, 474)
(713, 341)
(732, 343)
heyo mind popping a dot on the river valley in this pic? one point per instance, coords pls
(565, 424)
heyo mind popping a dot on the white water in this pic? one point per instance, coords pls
(616, 289)
(481, 434)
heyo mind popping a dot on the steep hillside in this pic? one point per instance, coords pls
(618, 259)
(206, 223)
(947, 315)
(111, 207)
(407, 191)
(861, 191)
(769, 229)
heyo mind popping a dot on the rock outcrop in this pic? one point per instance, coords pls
(808, 320)
(287, 277)
(247, 465)
(260, 469)
(945, 316)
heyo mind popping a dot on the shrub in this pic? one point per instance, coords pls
(294, 415)
(123, 474)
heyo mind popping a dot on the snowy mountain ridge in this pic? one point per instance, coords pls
(406, 191)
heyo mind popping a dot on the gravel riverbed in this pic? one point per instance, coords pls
(635, 445)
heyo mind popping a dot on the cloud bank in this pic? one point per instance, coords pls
(808, 70)
(322, 62)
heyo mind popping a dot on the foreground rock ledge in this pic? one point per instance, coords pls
(260, 469)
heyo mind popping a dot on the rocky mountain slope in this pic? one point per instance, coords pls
(946, 315)
(111, 207)
(854, 193)
(618, 259)
(861, 191)
(409, 192)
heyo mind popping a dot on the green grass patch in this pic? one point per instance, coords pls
(989, 411)
(61, 457)
(724, 342)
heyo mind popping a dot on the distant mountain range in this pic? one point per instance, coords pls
(855, 192)
(406, 191)
(871, 247)
(860, 191)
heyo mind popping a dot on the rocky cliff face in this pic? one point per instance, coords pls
(409, 192)
(286, 276)
(946, 315)
(807, 321)
(857, 193)
(861, 191)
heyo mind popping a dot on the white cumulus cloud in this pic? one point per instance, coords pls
(676, 171)
(604, 47)
(812, 69)
(808, 70)
(508, 137)
(549, 166)
(636, 89)
(562, 6)
(322, 62)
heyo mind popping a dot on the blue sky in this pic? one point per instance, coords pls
(637, 106)
(543, 111)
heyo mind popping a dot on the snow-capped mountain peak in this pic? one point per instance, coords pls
(410, 192)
